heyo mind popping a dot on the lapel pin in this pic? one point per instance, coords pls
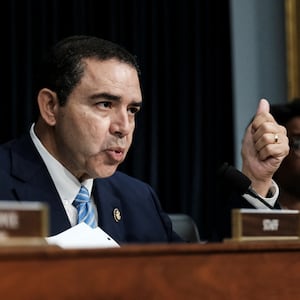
(117, 214)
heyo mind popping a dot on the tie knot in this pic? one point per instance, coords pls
(82, 196)
(85, 208)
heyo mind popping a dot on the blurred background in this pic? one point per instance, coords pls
(205, 65)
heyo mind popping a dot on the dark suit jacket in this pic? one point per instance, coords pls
(24, 176)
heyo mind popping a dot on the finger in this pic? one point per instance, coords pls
(268, 139)
(269, 133)
(278, 151)
(263, 115)
(263, 106)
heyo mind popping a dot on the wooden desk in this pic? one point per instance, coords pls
(263, 270)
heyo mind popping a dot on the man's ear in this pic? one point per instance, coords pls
(48, 104)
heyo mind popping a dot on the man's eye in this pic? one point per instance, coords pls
(133, 110)
(104, 104)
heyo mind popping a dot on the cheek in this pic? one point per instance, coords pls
(95, 132)
(93, 136)
(85, 130)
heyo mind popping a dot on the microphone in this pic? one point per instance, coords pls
(240, 182)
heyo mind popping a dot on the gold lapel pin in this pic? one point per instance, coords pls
(117, 214)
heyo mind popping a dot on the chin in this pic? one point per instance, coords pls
(107, 172)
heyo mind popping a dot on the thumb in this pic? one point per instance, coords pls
(263, 106)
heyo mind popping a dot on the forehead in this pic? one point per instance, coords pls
(110, 72)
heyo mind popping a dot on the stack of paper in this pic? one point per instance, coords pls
(83, 236)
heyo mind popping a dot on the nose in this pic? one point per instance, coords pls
(121, 124)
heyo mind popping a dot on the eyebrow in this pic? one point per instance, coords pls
(112, 97)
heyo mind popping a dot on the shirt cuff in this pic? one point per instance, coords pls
(274, 192)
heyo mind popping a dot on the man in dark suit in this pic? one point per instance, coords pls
(88, 95)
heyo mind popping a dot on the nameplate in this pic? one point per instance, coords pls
(23, 219)
(263, 224)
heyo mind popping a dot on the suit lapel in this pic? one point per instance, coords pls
(110, 212)
(35, 183)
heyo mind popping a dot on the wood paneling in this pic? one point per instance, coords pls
(261, 270)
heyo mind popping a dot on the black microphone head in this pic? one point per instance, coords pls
(234, 178)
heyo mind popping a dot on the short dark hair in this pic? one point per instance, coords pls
(63, 67)
(282, 113)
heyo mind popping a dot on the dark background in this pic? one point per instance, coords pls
(185, 131)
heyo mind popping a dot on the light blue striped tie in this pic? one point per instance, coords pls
(85, 208)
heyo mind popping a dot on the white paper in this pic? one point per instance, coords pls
(82, 236)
